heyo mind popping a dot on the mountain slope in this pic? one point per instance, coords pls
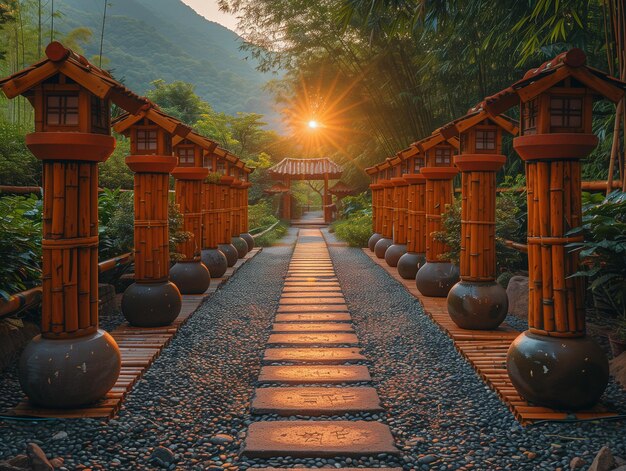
(147, 40)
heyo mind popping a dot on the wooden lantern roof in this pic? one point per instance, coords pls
(306, 169)
(477, 115)
(536, 81)
(151, 111)
(276, 188)
(61, 60)
(204, 142)
(341, 189)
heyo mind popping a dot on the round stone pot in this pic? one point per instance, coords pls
(241, 246)
(371, 243)
(381, 247)
(557, 372)
(393, 254)
(478, 305)
(67, 373)
(231, 253)
(409, 263)
(151, 304)
(215, 261)
(249, 240)
(190, 277)
(436, 278)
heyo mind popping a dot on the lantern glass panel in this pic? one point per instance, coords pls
(186, 156)
(442, 156)
(485, 140)
(147, 139)
(417, 165)
(221, 168)
(208, 162)
(566, 112)
(62, 110)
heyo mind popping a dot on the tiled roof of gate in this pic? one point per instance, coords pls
(305, 169)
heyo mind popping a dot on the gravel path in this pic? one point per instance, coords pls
(442, 415)
(194, 400)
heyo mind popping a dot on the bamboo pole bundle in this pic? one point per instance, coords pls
(439, 193)
(189, 197)
(70, 249)
(387, 210)
(210, 216)
(400, 208)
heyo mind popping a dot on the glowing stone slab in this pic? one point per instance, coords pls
(314, 374)
(314, 317)
(313, 339)
(314, 401)
(313, 327)
(314, 308)
(323, 439)
(313, 355)
(288, 301)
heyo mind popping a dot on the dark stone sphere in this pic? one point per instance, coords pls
(371, 243)
(393, 254)
(190, 277)
(557, 372)
(478, 305)
(435, 279)
(241, 246)
(249, 240)
(68, 373)
(151, 304)
(231, 253)
(215, 261)
(381, 247)
(409, 263)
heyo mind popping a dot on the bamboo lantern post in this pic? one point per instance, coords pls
(386, 211)
(436, 276)
(555, 363)
(376, 189)
(72, 363)
(190, 275)
(240, 244)
(212, 257)
(152, 300)
(477, 301)
(415, 257)
(400, 187)
(245, 184)
(224, 209)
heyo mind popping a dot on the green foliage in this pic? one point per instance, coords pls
(178, 99)
(359, 204)
(356, 230)
(603, 251)
(114, 173)
(510, 225)
(17, 165)
(270, 238)
(260, 216)
(20, 243)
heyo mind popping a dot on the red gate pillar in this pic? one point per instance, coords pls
(398, 248)
(190, 275)
(411, 262)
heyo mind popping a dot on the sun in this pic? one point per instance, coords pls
(313, 124)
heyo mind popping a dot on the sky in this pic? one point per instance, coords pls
(210, 10)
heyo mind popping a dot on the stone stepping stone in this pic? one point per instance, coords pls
(318, 439)
(312, 279)
(299, 301)
(314, 317)
(311, 289)
(313, 355)
(312, 294)
(314, 401)
(314, 374)
(342, 469)
(313, 339)
(313, 327)
(314, 308)
(334, 285)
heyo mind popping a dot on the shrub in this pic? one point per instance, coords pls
(20, 243)
(358, 204)
(260, 215)
(272, 236)
(356, 230)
